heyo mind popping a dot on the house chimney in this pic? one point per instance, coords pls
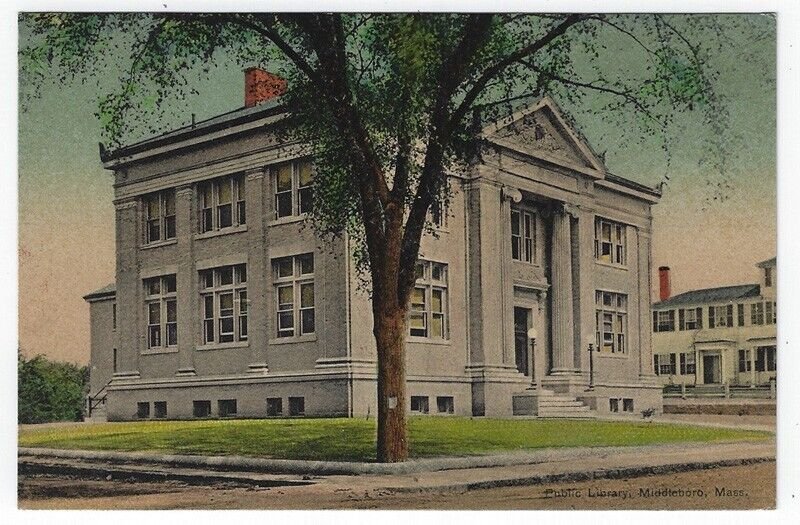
(664, 286)
(260, 86)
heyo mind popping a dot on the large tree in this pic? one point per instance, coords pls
(389, 104)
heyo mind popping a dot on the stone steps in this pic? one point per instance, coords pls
(551, 405)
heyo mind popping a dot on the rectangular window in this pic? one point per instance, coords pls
(740, 314)
(444, 404)
(274, 406)
(690, 318)
(114, 360)
(428, 310)
(609, 241)
(769, 309)
(611, 321)
(293, 279)
(161, 306)
(223, 304)
(419, 404)
(160, 409)
(293, 183)
(664, 321)
(439, 214)
(523, 236)
(687, 363)
(765, 359)
(143, 410)
(159, 216)
(744, 360)
(201, 408)
(226, 407)
(757, 313)
(113, 316)
(297, 406)
(656, 369)
(627, 405)
(613, 404)
(720, 316)
(767, 277)
(222, 203)
(667, 365)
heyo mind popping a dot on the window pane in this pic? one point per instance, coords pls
(285, 297)
(154, 339)
(224, 193)
(172, 334)
(438, 271)
(284, 178)
(226, 304)
(418, 299)
(153, 286)
(206, 221)
(515, 226)
(243, 303)
(306, 295)
(306, 264)
(225, 326)
(286, 323)
(206, 195)
(172, 311)
(154, 313)
(606, 231)
(419, 270)
(208, 306)
(306, 176)
(226, 275)
(153, 208)
(241, 212)
(208, 328)
(436, 301)
(225, 218)
(284, 267)
(169, 284)
(306, 196)
(307, 321)
(206, 279)
(153, 230)
(437, 326)
(169, 203)
(241, 273)
(284, 204)
(169, 227)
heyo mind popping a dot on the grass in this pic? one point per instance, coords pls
(354, 439)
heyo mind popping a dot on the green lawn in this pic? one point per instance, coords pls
(354, 439)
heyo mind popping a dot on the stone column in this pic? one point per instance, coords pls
(645, 315)
(129, 290)
(752, 366)
(257, 271)
(508, 195)
(186, 278)
(562, 307)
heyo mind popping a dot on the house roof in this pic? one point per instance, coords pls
(769, 262)
(721, 294)
(109, 290)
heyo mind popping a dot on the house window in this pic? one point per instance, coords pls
(769, 312)
(687, 363)
(428, 312)
(201, 408)
(294, 289)
(160, 409)
(720, 316)
(627, 405)
(419, 404)
(613, 404)
(143, 410)
(297, 406)
(226, 407)
(667, 365)
(114, 360)
(113, 316)
(664, 321)
(690, 318)
(765, 359)
(223, 302)
(767, 277)
(294, 188)
(611, 321)
(744, 360)
(274, 406)
(444, 404)
(523, 236)
(161, 305)
(757, 313)
(439, 214)
(159, 210)
(222, 203)
(740, 314)
(609, 241)
(656, 360)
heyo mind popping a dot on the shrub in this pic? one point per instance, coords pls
(49, 390)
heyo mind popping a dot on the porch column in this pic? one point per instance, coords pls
(752, 351)
(562, 314)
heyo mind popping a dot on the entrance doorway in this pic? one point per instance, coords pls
(521, 339)
(711, 369)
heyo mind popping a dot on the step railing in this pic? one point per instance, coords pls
(96, 400)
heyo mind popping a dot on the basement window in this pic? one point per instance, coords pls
(627, 405)
(201, 408)
(613, 405)
(274, 406)
(143, 410)
(419, 404)
(444, 404)
(160, 409)
(226, 407)
(297, 406)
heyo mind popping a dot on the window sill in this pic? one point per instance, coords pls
(611, 265)
(158, 244)
(223, 346)
(156, 351)
(308, 338)
(612, 356)
(289, 219)
(427, 341)
(224, 231)
(534, 264)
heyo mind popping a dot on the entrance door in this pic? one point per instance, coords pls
(711, 369)
(521, 339)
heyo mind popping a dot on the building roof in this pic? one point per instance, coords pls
(721, 294)
(769, 262)
(109, 290)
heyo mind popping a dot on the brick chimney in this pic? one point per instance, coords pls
(260, 86)
(664, 286)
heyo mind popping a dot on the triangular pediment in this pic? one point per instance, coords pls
(541, 131)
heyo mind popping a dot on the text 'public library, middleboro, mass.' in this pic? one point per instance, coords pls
(227, 304)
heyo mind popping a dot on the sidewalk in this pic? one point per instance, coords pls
(436, 474)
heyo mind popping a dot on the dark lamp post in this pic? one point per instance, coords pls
(591, 365)
(532, 337)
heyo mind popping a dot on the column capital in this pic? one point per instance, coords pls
(125, 203)
(183, 189)
(512, 194)
(255, 173)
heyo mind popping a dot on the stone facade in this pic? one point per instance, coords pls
(718, 336)
(515, 279)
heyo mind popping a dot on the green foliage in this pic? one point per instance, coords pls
(354, 439)
(49, 390)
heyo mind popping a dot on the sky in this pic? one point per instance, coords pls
(66, 215)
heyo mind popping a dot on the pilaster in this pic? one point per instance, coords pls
(129, 289)
(186, 280)
(562, 295)
(645, 317)
(257, 271)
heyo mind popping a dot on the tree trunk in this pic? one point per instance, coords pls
(390, 334)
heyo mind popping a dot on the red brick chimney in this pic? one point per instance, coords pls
(664, 286)
(260, 86)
